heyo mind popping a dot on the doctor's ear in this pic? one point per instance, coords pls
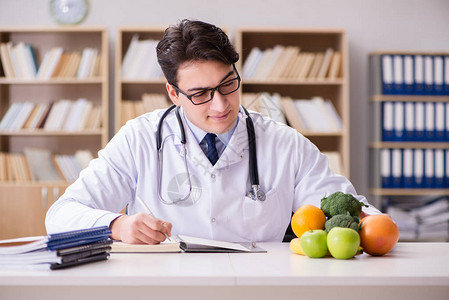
(173, 94)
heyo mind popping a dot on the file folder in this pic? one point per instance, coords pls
(419, 74)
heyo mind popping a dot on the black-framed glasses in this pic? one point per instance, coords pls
(206, 95)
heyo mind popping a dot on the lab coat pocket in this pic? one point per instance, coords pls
(262, 219)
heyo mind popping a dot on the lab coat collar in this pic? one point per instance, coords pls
(233, 153)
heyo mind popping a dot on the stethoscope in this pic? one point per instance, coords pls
(255, 193)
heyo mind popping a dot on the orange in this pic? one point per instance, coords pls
(378, 234)
(307, 217)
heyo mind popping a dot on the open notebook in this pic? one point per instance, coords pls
(183, 243)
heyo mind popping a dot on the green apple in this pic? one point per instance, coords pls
(314, 243)
(342, 242)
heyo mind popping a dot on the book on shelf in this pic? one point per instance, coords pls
(269, 105)
(184, 243)
(65, 114)
(56, 251)
(140, 61)
(288, 62)
(131, 109)
(19, 61)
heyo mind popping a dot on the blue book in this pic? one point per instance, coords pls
(429, 168)
(418, 168)
(429, 130)
(408, 179)
(409, 70)
(409, 121)
(387, 121)
(385, 168)
(398, 75)
(387, 74)
(429, 80)
(438, 75)
(419, 74)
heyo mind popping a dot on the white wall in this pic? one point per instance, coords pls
(371, 25)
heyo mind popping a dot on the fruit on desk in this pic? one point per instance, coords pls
(343, 243)
(378, 234)
(307, 217)
(295, 246)
(314, 243)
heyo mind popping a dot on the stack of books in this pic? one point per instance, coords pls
(56, 251)
(426, 222)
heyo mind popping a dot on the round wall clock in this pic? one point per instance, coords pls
(69, 12)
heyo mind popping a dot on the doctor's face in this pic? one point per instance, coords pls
(218, 115)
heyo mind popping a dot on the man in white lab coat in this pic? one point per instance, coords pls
(200, 189)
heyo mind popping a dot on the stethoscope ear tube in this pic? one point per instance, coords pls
(253, 172)
(159, 127)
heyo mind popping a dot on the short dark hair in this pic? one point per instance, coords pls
(192, 40)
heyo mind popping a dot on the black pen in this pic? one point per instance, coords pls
(148, 210)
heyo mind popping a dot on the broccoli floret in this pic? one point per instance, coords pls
(343, 220)
(339, 203)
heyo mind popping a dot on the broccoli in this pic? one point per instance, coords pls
(339, 203)
(343, 220)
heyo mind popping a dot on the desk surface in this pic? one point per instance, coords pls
(416, 266)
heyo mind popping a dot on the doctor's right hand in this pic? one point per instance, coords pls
(140, 229)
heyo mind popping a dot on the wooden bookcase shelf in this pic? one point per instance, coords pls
(336, 89)
(26, 203)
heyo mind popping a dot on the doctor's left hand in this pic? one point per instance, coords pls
(140, 229)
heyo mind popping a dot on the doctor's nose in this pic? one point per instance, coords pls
(218, 102)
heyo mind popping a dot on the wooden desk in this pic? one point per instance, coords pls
(410, 271)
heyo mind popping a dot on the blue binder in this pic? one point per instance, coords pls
(429, 81)
(387, 74)
(429, 168)
(409, 70)
(429, 130)
(410, 121)
(388, 121)
(418, 168)
(438, 75)
(446, 74)
(439, 168)
(385, 168)
(408, 176)
(419, 74)
(420, 124)
(396, 168)
(398, 78)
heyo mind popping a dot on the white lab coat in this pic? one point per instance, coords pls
(292, 172)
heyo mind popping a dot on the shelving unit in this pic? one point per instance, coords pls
(336, 90)
(404, 196)
(26, 203)
(133, 89)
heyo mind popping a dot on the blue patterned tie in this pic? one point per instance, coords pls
(211, 152)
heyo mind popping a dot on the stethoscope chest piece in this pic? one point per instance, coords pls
(255, 193)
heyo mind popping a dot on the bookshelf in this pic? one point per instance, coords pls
(130, 89)
(25, 202)
(408, 151)
(334, 88)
